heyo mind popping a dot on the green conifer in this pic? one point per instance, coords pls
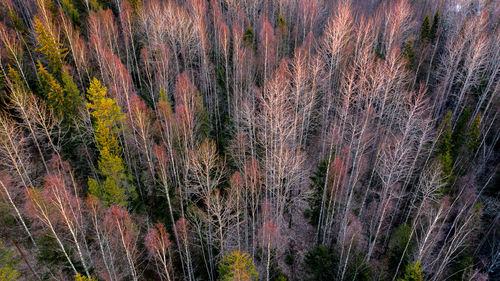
(413, 272)
(410, 53)
(237, 266)
(426, 29)
(434, 27)
(107, 116)
(48, 45)
(248, 36)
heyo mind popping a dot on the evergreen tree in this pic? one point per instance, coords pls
(70, 10)
(49, 46)
(413, 272)
(7, 263)
(319, 264)
(426, 29)
(63, 99)
(237, 266)
(248, 36)
(434, 27)
(73, 97)
(446, 146)
(400, 238)
(17, 22)
(50, 89)
(16, 80)
(410, 53)
(317, 186)
(107, 116)
(460, 132)
(473, 134)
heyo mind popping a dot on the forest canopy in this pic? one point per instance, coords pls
(249, 140)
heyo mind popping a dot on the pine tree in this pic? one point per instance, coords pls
(426, 29)
(107, 115)
(49, 46)
(434, 27)
(413, 272)
(473, 134)
(237, 266)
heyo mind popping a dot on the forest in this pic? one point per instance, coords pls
(247, 140)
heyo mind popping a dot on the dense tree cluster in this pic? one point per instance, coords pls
(249, 140)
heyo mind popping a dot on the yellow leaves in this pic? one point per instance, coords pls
(79, 277)
(63, 98)
(51, 89)
(111, 165)
(106, 114)
(103, 109)
(49, 45)
(237, 266)
(56, 96)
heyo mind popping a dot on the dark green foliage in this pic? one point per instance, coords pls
(63, 96)
(221, 123)
(320, 264)
(463, 265)
(51, 255)
(459, 142)
(445, 148)
(49, 250)
(459, 136)
(289, 259)
(281, 277)
(434, 27)
(317, 186)
(249, 36)
(73, 97)
(400, 238)
(474, 133)
(410, 53)
(425, 31)
(71, 11)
